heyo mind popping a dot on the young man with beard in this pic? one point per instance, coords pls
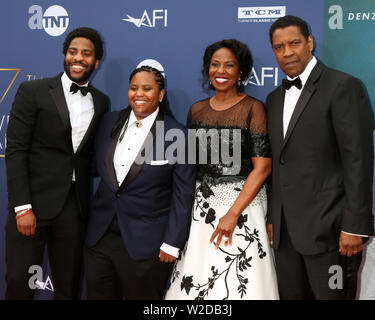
(49, 138)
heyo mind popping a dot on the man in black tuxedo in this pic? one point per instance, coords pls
(320, 128)
(49, 145)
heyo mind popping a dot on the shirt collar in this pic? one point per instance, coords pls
(67, 82)
(146, 122)
(306, 73)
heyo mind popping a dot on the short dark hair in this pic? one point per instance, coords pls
(240, 51)
(87, 33)
(288, 21)
(159, 78)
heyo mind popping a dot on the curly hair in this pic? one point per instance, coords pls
(87, 33)
(240, 51)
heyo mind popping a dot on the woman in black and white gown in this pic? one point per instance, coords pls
(227, 255)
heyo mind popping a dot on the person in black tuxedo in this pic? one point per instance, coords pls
(49, 146)
(320, 129)
(141, 211)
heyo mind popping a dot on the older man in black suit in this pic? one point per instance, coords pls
(49, 138)
(320, 128)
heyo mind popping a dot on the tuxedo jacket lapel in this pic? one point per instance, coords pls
(278, 120)
(304, 98)
(110, 155)
(58, 96)
(93, 120)
(135, 168)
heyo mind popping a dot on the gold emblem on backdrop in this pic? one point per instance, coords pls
(13, 73)
(16, 71)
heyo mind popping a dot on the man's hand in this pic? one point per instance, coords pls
(350, 244)
(26, 225)
(165, 257)
(269, 229)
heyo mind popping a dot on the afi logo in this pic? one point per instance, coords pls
(54, 21)
(258, 78)
(158, 16)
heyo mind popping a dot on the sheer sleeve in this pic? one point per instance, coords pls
(260, 146)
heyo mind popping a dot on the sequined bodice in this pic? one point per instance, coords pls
(228, 139)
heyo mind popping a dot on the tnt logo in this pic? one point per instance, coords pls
(54, 21)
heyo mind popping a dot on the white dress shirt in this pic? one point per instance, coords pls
(291, 98)
(292, 95)
(127, 149)
(81, 111)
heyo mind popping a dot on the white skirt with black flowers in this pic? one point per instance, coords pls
(244, 270)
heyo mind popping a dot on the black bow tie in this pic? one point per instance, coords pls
(75, 87)
(288, 83)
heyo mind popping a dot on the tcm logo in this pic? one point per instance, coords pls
(36, 280)
(54, 21)
(336, 20)
(159, 17)
(258, 14)
(152, 63)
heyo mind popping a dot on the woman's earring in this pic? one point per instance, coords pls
(239, 83)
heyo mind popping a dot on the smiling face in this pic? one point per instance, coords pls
(144, 94)
(224, 70)
(80, 60)
(292, 50)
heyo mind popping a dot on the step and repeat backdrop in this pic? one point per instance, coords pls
(172, 35)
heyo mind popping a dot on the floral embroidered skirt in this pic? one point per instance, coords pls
(244, 270)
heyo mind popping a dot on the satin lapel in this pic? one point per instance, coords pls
(58, 96)
(278, 115)
(92, 122)
(109, 158)
(304, 98)
(135, 168)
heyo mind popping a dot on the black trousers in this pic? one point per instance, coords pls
(112, 274)
(64, 238)
(325, 276)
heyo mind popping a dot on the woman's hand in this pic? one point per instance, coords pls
(165, 257)
(224, 229)
(269, 229)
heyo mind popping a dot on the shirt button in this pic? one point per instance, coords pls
(117, 195)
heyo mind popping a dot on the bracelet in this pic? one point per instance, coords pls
(23, 213)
